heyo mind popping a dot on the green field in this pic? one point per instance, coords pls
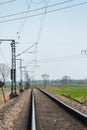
(78, 92)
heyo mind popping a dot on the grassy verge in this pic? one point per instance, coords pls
(78, 92)
(6, 92)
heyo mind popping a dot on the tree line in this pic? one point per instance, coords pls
(65, 80)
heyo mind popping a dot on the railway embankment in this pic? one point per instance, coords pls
(14, 114)
(77, 105)
(17, 113)
(51, 114)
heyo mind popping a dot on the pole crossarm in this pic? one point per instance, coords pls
(7, 40)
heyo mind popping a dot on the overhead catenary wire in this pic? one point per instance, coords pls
(61, 59)
(50, 11)
(26, 50)
(34, 2)
(29, 62)
(41, 27)
(6, 2)
(4, 56)
(42, 21)
(34, 10)
(17, 35)
(23, 23)
(29, 5)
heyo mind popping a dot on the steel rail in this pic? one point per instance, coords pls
(82, 117)
(33, 123)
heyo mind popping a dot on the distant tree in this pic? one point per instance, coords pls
(65, 79)
(4, 72)
(45, 79)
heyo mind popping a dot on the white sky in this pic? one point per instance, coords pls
(62, 38)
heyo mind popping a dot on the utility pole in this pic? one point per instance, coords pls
(13, 68)
(26, 77)
(21, 89)
(24, 72)
(27, 80)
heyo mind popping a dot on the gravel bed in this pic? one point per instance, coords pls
(50, 116)
(14, 114)
(80, 107)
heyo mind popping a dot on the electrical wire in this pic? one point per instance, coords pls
(63, 58)
(17, 35)
(22, 22)
(22, 26)
(3, 56)
(40, 29)
(26, 50)
(50, 11)
(38, 2)
(42, 21)
(6, 2)
(34, 10)
(29, 63)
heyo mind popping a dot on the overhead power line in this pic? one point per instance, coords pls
(22, 22)
(26, 50)
(19, 30)
(50, 11)
(29, 63)
(3, 56)
(41, 27)
(34, 10)
(29, 5)
(6, 2)
(62, 58)
(38, 2)
(42, 21)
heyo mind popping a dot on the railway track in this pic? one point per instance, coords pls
(49, 113)
(37, 110)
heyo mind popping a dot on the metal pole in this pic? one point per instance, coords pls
(25, 75)
(21, 89)
(27, 80)
(13, 68)
(20, 83)
(20, 70)
(11, 96)
(13, 71)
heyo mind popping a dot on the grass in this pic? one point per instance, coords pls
(75, 91)
(6, 90)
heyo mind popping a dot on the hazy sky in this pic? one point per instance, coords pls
(63, 35)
